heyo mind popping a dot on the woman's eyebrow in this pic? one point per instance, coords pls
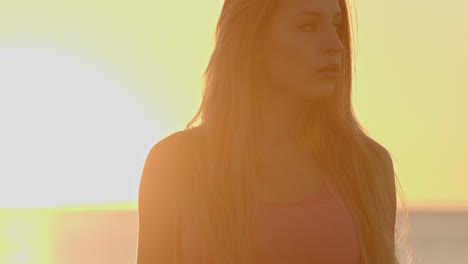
(315, 13)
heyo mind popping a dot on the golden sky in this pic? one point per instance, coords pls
(147, 58)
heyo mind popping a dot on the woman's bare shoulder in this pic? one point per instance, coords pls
(174, 154)
(177, 142)
(164, 184)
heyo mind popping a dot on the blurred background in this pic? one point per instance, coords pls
(88, 87)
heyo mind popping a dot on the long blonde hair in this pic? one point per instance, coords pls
(361, 168)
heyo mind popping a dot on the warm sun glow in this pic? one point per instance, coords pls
(88, 87)
(87, 91)
(72, 133)
(24, 238)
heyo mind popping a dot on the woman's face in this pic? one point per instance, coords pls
(301, 37)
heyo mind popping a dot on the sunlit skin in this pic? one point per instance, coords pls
(293, 46)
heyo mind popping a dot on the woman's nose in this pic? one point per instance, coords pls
(333, 45)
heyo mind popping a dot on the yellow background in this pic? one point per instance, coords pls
(411, 88)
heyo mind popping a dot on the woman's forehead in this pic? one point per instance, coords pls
(312, 7)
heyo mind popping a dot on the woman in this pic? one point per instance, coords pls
(279, 170)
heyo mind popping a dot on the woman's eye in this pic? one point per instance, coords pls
(339, 27)
(308, 26)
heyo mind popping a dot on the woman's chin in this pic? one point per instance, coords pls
(322, 89)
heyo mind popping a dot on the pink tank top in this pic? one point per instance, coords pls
(316, 230)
